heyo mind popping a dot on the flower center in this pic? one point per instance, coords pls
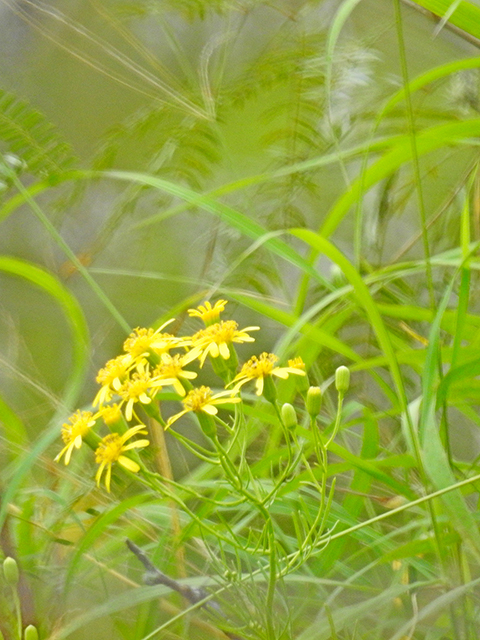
(197, 398)
(139, 341)
(260, 367)
(82, 421)
(223, 331)
(136, 387)
(170, 368)
(116, 368)
(109, 449)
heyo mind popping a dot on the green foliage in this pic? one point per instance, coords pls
(29, 134)
(463, 14)
(333, 198)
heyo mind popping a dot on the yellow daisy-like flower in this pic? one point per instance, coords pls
(111, 377)
(215, 340)
(140, 388)
(207, 313)
(258, 368)
(72, 434)
(141, 341)
(172, 367)
(110, 450)
(202, 399)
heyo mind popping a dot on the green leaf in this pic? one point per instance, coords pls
(28, 134)
(362, 293)
(465, 15)
(14, 429)
(434, 456)
(229, 215)
(80, 352)
(286, 319)
(99, 527)
(426, 141)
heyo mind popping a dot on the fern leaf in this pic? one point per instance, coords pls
(28, 134)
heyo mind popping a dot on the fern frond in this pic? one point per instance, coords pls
(28, 134)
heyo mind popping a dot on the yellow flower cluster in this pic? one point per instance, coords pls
(132, 380)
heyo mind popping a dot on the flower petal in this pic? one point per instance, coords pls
(129, 410)
(210, 409)
(174, 418)
(224, 350)
(108, 477)
(136, 445)
(98, 475)
(128, 464)
(68, 454)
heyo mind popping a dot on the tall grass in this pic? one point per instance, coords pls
(353, 242)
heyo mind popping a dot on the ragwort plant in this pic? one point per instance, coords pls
(130, 403)
(284, 555)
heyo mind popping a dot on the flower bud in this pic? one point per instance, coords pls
(231, 575)
(30, 633)
(342, 379)
(289, 416)
(314, 401)
(10, 571)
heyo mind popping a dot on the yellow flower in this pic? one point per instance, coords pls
(172, 367)
(111, 377)
(202, 399)
(73, 433)
(207, 313)
(140, 388)
(297, 363)
(110, 414)
(258, 368)
(110, 450)
(141, 341)
(215, 340)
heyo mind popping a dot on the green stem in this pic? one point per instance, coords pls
(197, 450)
(153, 411)
(415, 162)
(286, 434)
(160, 487)
(18, 611)
(338, 419)
(101, 295)
(228, 467)
(272, 582)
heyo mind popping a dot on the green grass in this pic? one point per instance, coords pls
(350, 243)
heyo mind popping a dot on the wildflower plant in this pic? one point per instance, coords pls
(135, 397)
(352, 213)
